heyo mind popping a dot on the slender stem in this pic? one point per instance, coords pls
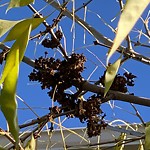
(107, 142)
(138, 115)
(134, 55)
(49, 28)
(38, 14)
(8, 136)
(84, 4)
(140, 44)
(45, 117)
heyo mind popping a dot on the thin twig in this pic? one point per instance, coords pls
(107, 142)
(37, 133)
(138, 115)
(134, 55)
(28, 134)
(84, 4)
(8, 136)
(43, 118)
(27, 106)
(38, 14)
(126, 141)
(57, 20)
(146, 27)
(140, 44)
(49, 28)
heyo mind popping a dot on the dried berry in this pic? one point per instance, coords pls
(120, 83)
(53, 42)
(57, 76)
(59, 34)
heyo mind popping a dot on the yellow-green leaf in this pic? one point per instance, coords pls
(21, 44)
(22, 26)
(147, 136)
(132, 11)
(7, 98)
(8, 102)
(31, 144)
(19, 3)
(110, 75)
(6, 25)
(120, 144)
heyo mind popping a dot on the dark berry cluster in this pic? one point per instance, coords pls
(95, 124)
(58, 75)
(44, 71)
(130, 78)
(53, 42)
(120, 83)
(91, 112)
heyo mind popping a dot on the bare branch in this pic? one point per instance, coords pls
(115, 95)
(134, 55)
(138, 115)
(129, 140)
(49, 28)
(84, 4)
(8, 136)
(140, 44)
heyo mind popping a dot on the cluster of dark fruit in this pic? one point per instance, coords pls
(95, 124)
(3, 55)
(53, 42)
(58, 76)
(120, 83)
(91, 112)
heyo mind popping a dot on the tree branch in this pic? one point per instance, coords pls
(134, 55)
(50, 29)
(115, 95)
(84, 5)
(86, 86)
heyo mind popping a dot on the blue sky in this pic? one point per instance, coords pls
(38, 99)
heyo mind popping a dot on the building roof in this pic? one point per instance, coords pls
(76, 138)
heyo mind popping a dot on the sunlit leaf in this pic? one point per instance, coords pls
(147, 136)
(110, 75)
(21, 44)
(31, 144)
(6, 25)
(22, 26)
(120, 144)
(20, 32)
(10, 75)
(18, 3)
(7, 98)
(132, 11)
